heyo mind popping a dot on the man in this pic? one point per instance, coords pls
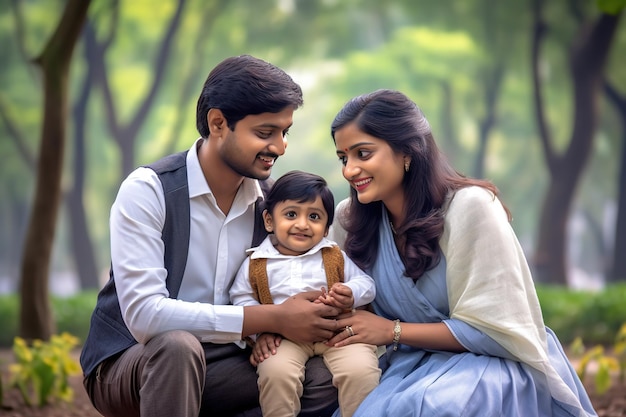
(163, 341)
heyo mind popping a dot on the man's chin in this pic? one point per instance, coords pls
(260, 174)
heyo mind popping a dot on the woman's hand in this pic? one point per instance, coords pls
(362, 327)
(266, 344)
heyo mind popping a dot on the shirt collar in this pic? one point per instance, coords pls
(267, 250)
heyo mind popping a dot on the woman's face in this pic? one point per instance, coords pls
(371, 167)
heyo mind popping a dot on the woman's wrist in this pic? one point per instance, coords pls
(397, 332)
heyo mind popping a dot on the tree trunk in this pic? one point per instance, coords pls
(126, 135)
(35, 312)
(84, 259)
(588, 60)
(617, 269)
(492, 85)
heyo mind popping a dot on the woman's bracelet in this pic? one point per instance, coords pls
(397, 331)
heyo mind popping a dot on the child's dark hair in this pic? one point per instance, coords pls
(301, 187)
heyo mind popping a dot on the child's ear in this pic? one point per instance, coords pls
(326, 231)
(267, 221)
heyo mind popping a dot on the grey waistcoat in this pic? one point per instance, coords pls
(108, 335)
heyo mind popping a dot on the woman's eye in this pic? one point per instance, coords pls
(343, 160)
(363, 154)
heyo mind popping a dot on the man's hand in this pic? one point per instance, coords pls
(303, 320)
(299, 318)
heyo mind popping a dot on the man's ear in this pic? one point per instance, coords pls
(216, 122)
(267, 221)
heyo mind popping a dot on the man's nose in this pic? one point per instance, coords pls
(278, 145)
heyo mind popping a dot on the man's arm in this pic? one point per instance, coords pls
(298, 319)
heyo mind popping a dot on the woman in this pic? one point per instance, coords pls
(455, 305)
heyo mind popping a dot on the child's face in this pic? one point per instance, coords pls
(297, 226)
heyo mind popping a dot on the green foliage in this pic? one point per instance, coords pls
(42, 370)
(9, 318)
(606, 363)
(594, 316)
(71, 315)
(611, 6)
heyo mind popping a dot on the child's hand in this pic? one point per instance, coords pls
(266, 344)
(324, 297)
(340, 296)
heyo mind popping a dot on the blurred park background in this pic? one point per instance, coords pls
(530, 94)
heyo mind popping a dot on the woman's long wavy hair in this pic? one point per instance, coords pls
(391, 116)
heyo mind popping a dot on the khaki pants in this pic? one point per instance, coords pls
(354, 368)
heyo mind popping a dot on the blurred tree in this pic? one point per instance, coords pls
(125, 134)
(588, 56)
(84, 257)
(617, 269)
(54, 61)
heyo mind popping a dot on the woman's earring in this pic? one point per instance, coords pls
(407, 165)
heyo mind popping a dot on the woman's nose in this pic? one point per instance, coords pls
(350, 170)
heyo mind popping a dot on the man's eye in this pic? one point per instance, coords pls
(264, 135)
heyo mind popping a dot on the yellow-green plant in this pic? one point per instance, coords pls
(42, 369)
(606, 362)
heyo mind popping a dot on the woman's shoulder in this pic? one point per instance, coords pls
(468, 204)
(337, 230)
(469, 196)
(342, 210)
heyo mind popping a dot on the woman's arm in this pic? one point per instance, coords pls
(370, 328)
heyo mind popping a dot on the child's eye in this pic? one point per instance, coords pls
(315, 216)
(290, 214)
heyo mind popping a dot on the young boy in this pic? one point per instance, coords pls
(297, 257)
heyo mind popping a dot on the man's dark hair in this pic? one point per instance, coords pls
(244, 85)
(301, 187)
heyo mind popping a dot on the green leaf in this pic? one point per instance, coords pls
(611, 6)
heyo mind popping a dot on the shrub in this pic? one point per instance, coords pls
(41, 371)
(607, 363)
(71, 314)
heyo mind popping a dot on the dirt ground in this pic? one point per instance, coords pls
(610, 404)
